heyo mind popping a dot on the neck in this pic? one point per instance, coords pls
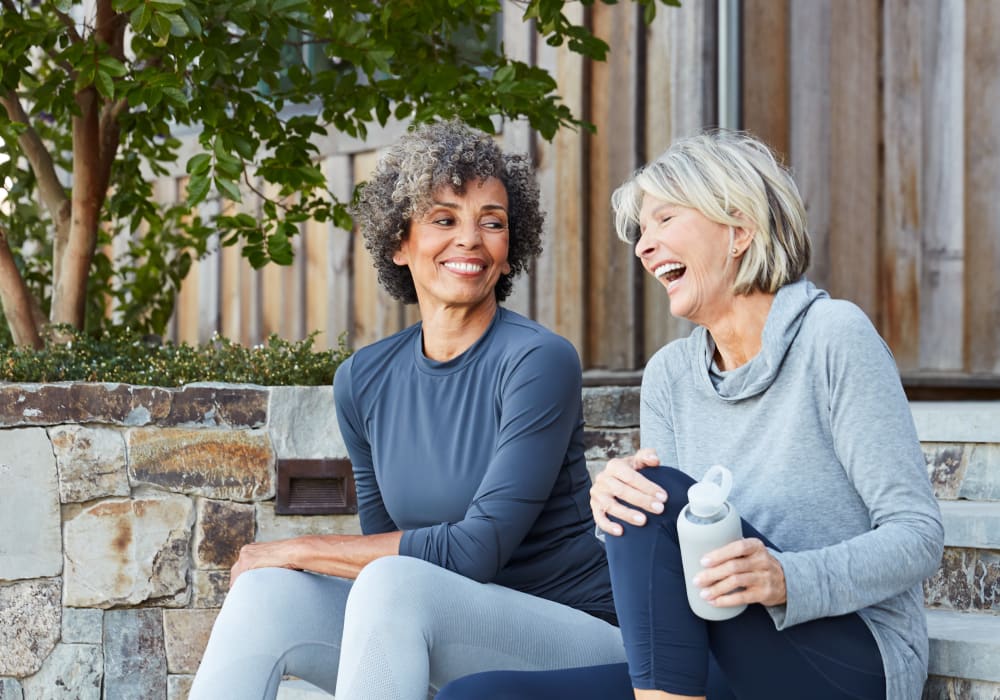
(450, 331)
(738, 335)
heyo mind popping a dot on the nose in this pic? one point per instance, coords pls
(644, 246)
(468, 235)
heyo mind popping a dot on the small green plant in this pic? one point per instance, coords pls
(119, 356)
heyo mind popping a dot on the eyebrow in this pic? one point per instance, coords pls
(454, 205)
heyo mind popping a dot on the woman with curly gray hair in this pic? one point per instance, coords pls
(466, 436)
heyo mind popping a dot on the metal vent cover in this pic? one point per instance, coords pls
(315, 487)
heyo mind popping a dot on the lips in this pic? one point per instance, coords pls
(669, 271)
(464, 267)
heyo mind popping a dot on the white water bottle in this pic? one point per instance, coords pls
(707, 522)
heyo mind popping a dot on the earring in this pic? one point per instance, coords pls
(734, 251)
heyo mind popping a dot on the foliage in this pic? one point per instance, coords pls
(122, 356)
(99, 89)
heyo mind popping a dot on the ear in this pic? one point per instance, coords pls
(505, 268)
(742, 235)
(399, 257)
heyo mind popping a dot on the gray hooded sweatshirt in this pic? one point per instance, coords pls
(826, 463)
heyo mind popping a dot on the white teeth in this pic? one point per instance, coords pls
(669, 267)
(464, 267)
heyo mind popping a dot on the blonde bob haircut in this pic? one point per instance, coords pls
(733, 179)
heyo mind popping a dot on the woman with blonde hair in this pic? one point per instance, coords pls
(800, 398)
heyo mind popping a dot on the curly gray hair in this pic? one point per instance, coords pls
(408, 174)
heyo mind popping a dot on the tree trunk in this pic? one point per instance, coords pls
(16, 300)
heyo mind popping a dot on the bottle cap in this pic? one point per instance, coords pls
(706, 497)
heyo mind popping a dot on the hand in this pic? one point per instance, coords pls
(620, 483)
(258, 555)
(742, 572)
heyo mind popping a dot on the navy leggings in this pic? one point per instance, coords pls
(669, 648)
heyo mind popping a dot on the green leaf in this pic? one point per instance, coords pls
(105, 85)
(112, 66)
(167, 5)
(193, 23)
(140, 18)
(197, 188)
(228, 189)
(199, 164)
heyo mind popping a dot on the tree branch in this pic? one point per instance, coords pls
(67, 22)
(16, 300)
(51, 190)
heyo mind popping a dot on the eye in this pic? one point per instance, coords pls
(665, 219)
(443, 220)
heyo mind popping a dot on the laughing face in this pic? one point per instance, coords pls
(457, 249)
(690, 256)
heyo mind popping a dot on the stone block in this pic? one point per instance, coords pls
(10, 689)
(946, 464)
(982, 474)
(302, 422)
(81, 402)
(209, 588)
(124, 552)
(91, 462)
(82, 625)
(942, 688)
(604, 444)
(225, 464)
(611, 406)
(135, 665)
(221, 528)
(30, 540)
(29, 625)
(72, 672)
(233, 406)
(271, 526)
(967, 580)
(185, 635)
(179, 687)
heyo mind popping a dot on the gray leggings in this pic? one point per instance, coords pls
(408, 627)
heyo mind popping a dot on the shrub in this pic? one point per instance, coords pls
(120, 356)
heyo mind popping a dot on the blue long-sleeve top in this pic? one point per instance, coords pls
(479, 460)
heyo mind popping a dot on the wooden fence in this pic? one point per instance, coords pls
(888, 112)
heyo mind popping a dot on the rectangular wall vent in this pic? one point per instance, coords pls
(315, 487)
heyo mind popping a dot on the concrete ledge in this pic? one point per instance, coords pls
(957, 421)
(299, 689)
(964, 645)
(974, 524)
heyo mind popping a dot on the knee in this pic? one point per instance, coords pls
(394, 587)
(639, 538)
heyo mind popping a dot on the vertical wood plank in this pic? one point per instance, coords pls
(613, 298)
(565, 182)
(272, 289)
(942, 303)
(340, 244)
(376, 314)
(186, 311)
(982, 175)
(902, 180)
(809, 145)
(517, 137)
(209, 279)
(678, 102)
(765, 72)
(852, 246)
(230, 268)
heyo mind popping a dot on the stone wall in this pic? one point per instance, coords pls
(123, 507)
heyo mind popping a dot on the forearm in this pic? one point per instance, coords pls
(342, 555)
(334, 555)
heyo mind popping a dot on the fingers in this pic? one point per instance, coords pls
(621, 491)
(740, 573)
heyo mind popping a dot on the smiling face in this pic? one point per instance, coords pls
(457, 249)
(691, 256)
